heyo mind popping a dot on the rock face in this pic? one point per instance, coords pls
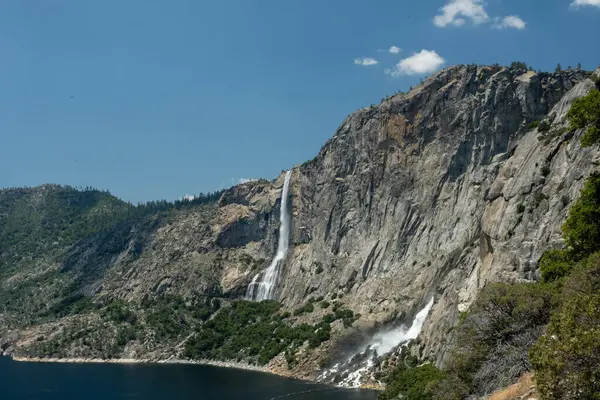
(433, 193)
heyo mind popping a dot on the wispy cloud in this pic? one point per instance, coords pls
(424, 62)
(394, 50)
(511, 21)
(366, 62)
(581, 3)
(456, 13)
(459, 12)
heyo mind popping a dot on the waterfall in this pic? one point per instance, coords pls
(384, 342)
(351, 372)
(264, 283)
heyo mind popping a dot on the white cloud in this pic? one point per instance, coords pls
(365, 62)
(395, 50)
(511, 21)
(580, 3)
(246, 180)
(456, 12)
(424, 62)
(188, 197)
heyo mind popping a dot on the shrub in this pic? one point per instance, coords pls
(582, 229)
(567, 358)
(533, 125)
(518, 65)
(448, 388)
(119, 312)
(411, 383)
(556, 264)
(324, 304)
(71, 305)
(329, 318)
(544, 126)
(585, 112)
(546, 170)
(125, 334)
(494, 337)
(307, 308)
(521, 208)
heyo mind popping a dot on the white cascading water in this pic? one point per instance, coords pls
(351, 372)
(264, 283)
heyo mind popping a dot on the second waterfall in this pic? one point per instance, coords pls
(264, 283)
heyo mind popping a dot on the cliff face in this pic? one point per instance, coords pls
(436, 192)
(432, 193)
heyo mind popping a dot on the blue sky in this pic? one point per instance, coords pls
(157, 99)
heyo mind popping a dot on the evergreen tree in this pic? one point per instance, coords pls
(558, 68)
(518, 65)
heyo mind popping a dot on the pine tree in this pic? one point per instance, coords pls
(558, 68)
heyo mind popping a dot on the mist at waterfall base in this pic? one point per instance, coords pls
(353, 371)
(264, 284)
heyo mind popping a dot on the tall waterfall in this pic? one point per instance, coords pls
(353, 371)
(264, 283)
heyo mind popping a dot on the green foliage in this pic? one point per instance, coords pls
(170, 317)
(325, 304)
(518, 65)
(318, 268)
(558, 68)
(494, 337)
(448, 388)
(125, 334)
(329, 318)
(119, 312)
(582, 229)
(252, 331)
(521, 208)
(585, 113)
(411, 383)
(567, 358)
(71, 305)
(544, 126)
(44, 220)
(305, 309)
(546, 170)
(59, 217)
(533, 125)
(556, 264)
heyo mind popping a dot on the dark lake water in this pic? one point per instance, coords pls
(54, 381)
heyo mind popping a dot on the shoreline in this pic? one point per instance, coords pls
(214, 363)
